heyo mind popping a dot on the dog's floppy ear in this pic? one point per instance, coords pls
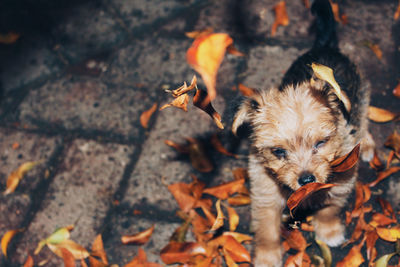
(246, 110)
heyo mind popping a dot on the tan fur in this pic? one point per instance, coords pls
(296, 119)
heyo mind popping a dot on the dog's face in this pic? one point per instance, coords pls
(295, 132)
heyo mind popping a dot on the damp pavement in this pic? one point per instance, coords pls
(75, 83)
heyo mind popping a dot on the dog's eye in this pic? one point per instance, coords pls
(320, 144)
(279, 152)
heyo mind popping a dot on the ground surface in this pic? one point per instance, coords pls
(75, 83)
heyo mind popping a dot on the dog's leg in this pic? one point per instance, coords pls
(367, 147)
(328, 226)
(266, 209)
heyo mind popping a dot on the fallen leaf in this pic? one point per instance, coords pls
(236, 250)
(326, 252)
(301, 259)
(139, 238)
(384, 260)
(223, 191)
(370, 241)
(326, 74)
(184, 88)
(93, 262)
(179, 102)
(354, 257)
(29, 262)
(381, 115)
(195, 34)
(176, 252)
(294, 239)
(233, 218)
(376, 163)
(390, 159)
(336, 13)
(396, 90)
(386, 207)
(376, 49)
(231, 49)
(203, 101)
(146, 115)
(303, 192)
(389, 234)
(206, 55)
(378, 219)
(239, 200)
(9, 38)
(15, 177)
(141, 261)
(68, 258)
(239, 237)
(397, 13)
(306, 3)
(246, 91)
(198, 156)
(219, 221)
(184, 149)
(281, 17)
(228, 259)
(219, 147)
(384, 174)
(15, 145)
(347, 161)
(393, 142)
(59, 235)
(5, 240)
(75, 249)
(240, 173)
(98, 249)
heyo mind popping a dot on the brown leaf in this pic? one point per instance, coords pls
(301, 259)
(239, 237)
(179, 102)
(203, 101)
(206, 55)
(9, 38)
(219, 221)
(176, 252)
(96, 263)
(198, 156)
(75, 249)
(386, 207)
(239, 200)
(384, 174)
(223, 191)
(141, 261)
(370, 241)
(281, 17)
(216, 143)
(246, 91)
(184, 149)
(228, 259)
(347, 161)
(389, 234)
(146, 115)
(381, 115)
(396, 90)
(15, 176)
(306, 3)
(376, 163)
(68, 258)
(393, 142)
(397, 13)
(139, 238)
(98, 249)
(294, 239)
(378, 219)
(354, 257)
(5, 240)
(390, 158)
(303, 192)
(236, 250)
(336, 13)
(29, 262)
(233, 218)
(231, 49)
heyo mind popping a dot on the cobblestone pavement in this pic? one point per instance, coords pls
(75, 83)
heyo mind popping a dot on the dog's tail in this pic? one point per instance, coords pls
(325, 24)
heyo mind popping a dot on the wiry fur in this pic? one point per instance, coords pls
(306, 119)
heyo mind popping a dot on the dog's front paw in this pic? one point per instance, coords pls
(332, 233)
(268, 257)
(367, 148)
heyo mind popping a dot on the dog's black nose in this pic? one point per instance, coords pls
(306, 178)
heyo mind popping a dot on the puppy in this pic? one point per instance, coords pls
(298, 129)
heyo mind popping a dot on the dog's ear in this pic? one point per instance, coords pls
(246, 110)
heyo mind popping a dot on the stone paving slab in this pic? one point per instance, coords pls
(86, 104)
(15, 207)
(81, 194)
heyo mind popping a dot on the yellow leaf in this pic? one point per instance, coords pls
(59, 235)
(219, 221)
(179, 102)
(326, 252)
(381, 115)
(233, 218)
(384, 260)
(5, 240)
(14, 178)
(76, 250)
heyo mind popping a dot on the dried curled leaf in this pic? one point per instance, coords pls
(75, 249)
(15, 177)
(202, 100)
(384, 260)
(326, 74)
(139, 238)
(347, 161)
(223, 191)
(141, 261)
(393, 142)
(389, 234)
(206, 55)
(216, 143)
(98, 249)
(336, 13)
(184, 88)
(294, 239)
(146, 115)
(354, 257)
(384, 174)
(219, 221)
(29, 262)
(58, 236)
(303, 192)
(176, 252)
(69, 260)
(9, 38)
(179, 102)
(281, 17)
(233, 218)
(239, 200)
(396, 90)
(5, 240)
(381, 115)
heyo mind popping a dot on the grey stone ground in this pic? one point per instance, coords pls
(84, 122)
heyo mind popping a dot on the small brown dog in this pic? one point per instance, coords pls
(298, 129)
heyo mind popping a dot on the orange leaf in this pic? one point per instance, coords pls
(96, 263)
(184, 149)
(381, 115)
(202, 100)
(68, 258)
(15, 176)
(84, 264)
(386, 207)
(236, 250)
(9, 38)
(336, 13)
(306, 3)
(5, 240)
(184, 88)
(378, 219)
(303, 192)
(246, 91)
(393, 142)
(301, 259)
(139, 238)
(377, 50)
(224, 190)
(384, 174)
(239, 200)
(206, 55)
(76, 250)
(240, 173)
(219, 221)
(231, 49)
(179, 102)
(233, 218)
(146, 115)
(281, 17)
(239, 237)
(397, 13)
(353, 258)
(389, 234)
(98, 249)
(294, 239)
(347, 161)
(176, 252)
(29, 262)
(219, 147)
(376, 163)
(396, 90)
(372, 236)
(228, 259)
(141, 261)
